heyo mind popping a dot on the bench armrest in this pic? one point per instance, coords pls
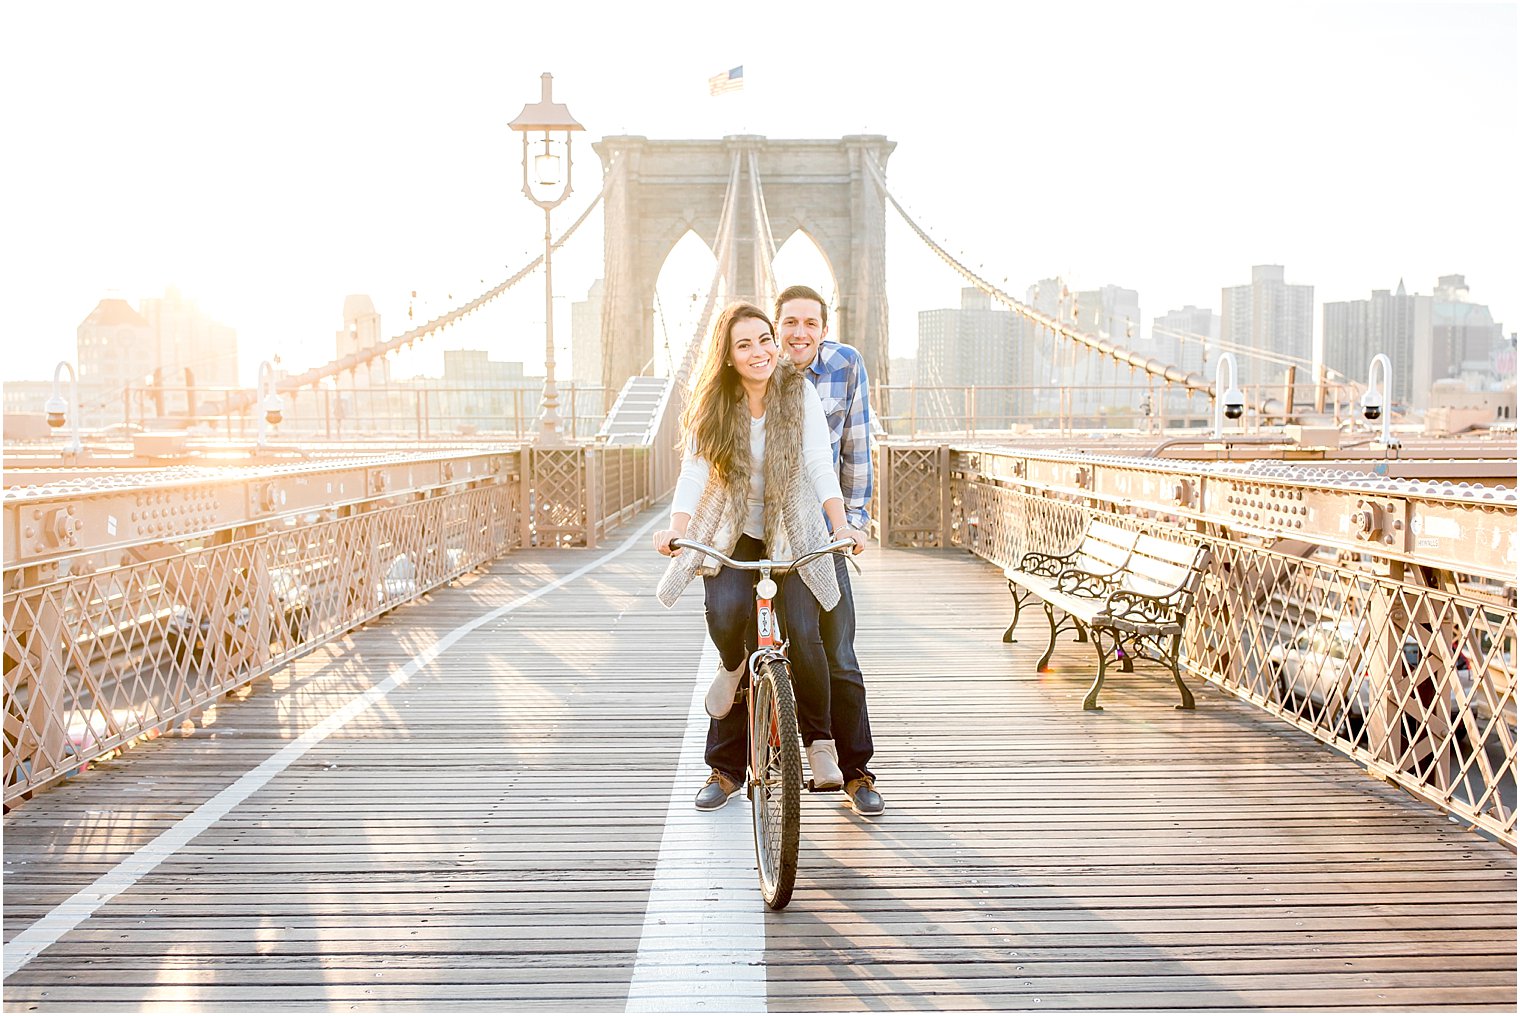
(1144, 608)
(1084, 583)
(1050, 565)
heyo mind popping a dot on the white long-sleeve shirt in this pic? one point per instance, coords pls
(817, 461)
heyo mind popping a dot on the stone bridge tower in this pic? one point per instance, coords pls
(657, 190)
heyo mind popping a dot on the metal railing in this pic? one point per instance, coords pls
(938, 410)
(416, 411)
(1392, 639)
(114, 634)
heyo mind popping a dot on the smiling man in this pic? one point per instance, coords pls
(839, 374)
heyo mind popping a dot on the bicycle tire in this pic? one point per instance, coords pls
(776, 771)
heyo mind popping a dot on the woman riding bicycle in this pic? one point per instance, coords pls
(758, 465)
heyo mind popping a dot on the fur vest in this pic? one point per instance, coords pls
(793, 515)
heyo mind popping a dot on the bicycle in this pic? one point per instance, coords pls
(774, 787)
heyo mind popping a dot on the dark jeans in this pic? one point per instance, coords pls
(731, 624)
(850, 722)
(731, 610)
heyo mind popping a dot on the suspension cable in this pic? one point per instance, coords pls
(1330, 374)
(766, 240)
(1170, 373)
(362, 358)
(721, 248)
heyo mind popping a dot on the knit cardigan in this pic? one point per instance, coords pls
(793, 522)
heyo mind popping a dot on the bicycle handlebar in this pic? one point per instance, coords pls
(779, 567)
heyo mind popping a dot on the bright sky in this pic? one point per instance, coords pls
(270, 158)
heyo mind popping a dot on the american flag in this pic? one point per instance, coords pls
(729, 81)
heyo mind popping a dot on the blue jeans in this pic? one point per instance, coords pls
(848, 718)
(731, 625)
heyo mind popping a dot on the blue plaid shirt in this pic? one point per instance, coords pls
(839, 374)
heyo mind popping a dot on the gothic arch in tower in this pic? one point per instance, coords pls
(657, 190)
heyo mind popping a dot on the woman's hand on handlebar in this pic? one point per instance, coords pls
(678, 523)
(850, 532)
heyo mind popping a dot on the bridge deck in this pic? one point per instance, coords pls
(509, 829)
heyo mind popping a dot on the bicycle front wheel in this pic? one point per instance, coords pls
(776, 772)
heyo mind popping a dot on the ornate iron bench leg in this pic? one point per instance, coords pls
(1081, 632)
(1171, 657)
(1018, 605)
(1050, 647)
(1091, 701)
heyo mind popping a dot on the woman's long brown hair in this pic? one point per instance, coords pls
(709, 419)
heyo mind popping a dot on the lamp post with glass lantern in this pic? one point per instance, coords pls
(547, 123)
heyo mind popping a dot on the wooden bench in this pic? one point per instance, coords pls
(1102, 550)
(1135, 609)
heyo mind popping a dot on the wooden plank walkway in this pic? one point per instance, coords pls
(486, 836)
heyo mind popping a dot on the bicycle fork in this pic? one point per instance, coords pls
(771, 646)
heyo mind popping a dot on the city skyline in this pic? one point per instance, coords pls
(261, 206)
(1091, 318)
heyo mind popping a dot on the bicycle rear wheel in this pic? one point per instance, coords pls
(776, 772)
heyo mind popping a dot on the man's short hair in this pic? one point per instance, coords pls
(802, 293)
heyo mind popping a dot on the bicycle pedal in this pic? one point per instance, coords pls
(812, 789)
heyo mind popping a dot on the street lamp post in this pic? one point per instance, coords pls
(547, 123)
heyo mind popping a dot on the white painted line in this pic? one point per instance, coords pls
(69, 914)
(703, 944)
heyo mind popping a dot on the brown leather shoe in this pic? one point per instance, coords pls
(863, 796)
(715, 792)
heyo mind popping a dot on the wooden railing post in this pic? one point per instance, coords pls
(593, 466)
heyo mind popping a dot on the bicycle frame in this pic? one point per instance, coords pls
(768, 636)
(774, 783)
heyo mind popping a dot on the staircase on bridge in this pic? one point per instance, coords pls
(634, 415)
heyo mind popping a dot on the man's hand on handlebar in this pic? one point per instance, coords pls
(851, 533)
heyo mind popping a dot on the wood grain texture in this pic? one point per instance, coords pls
(485, 837)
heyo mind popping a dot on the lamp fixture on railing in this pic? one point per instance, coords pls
(271, 407)
(547, 123)
(1373, 407)
(1228, 402)
(58, 410)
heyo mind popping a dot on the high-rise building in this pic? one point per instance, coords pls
(1050, 359)
(975, 344)
(1427, 339)
(493, 394)
(1080, 381)
(1453, 338)
(1269, 315)
(1357, 330)
(586, 337)
(1186, 338)
(184, 338)
(1111, 311)
(361, 331)
(115, 345)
